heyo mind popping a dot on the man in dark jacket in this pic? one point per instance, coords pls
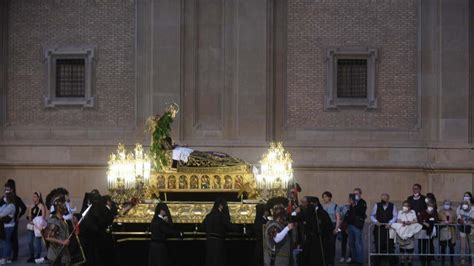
(417, 200)
(383, 215)
(418, 204)
(356, 220)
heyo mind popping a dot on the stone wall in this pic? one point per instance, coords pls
(245, 73)
(36, 25)
(388, 26)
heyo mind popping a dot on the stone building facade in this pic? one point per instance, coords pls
(245, 72)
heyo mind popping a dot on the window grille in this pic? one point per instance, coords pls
(352, 78)
(70, 78)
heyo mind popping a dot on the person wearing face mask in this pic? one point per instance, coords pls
(417, 200)
(465, 218)
(466, 197)
(161, 228)
(446, 231)
(417, 203)
(431, 197)
(428, 218)
(384, 214)
(406, 227)
(356, 219)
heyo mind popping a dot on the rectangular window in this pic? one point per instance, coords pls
(70, 78)
(351, 78)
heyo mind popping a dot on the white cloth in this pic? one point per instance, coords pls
(407, 231)
(181, 154)
(280, 236)
(39, 224)
(71, 210)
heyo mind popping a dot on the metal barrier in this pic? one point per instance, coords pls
(388, 246)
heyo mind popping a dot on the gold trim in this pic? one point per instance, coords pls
(189, 212)
(211, 181)
(184, 239)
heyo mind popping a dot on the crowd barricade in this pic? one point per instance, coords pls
(434, 245)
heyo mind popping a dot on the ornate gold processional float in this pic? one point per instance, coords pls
(139, 179)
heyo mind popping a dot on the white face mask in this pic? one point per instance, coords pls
(405, 209)
(465, 207)
(430, 209)
(427, 200)
(467, 198)
(357, 197)
(447, 207)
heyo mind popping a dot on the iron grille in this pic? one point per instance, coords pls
(70, 78)
(352, 78)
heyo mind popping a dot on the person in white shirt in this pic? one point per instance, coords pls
(7, 214)
(406, 227)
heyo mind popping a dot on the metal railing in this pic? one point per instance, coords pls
(388, 246)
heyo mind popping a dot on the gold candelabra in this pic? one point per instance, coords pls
(128, 173)
(275, 172)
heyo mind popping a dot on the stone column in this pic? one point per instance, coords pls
(3, 60)
(454, 62)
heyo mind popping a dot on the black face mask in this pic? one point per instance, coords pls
(383, 202)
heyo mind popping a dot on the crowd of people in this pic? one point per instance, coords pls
(288, 231)
(310, 231)
(70, 237)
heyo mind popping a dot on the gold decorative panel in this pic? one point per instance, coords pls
(203, 179)
(189, 212)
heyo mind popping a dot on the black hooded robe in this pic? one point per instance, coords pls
(93, 231)
(158, 252)
(317, 229)
(216, 224)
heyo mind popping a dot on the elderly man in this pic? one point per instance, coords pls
(383, 215)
